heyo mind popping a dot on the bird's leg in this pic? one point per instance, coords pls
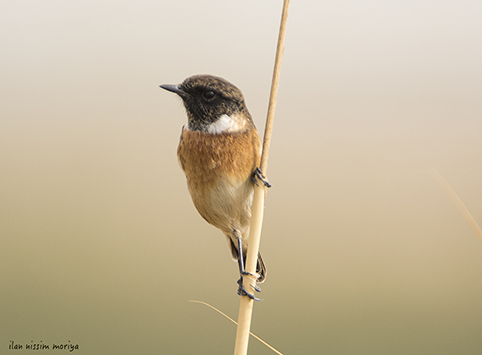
(241, 289)
(257, 173)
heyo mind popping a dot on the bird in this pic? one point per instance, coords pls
(219, 151)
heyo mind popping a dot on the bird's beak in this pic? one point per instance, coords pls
(175, 89)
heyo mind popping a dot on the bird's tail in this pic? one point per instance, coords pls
(261, 269)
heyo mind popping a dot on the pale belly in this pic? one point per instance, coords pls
(227, 204)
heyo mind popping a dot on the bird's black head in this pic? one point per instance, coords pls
(209, 100)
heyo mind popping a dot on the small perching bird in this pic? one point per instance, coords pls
(219, 151)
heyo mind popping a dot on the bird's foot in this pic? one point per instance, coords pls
(259, 174)
(242, 290)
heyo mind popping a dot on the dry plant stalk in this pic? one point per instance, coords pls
(232, 320)
(246, 304)
(460, 205)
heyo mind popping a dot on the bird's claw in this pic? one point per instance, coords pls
(259, 174)
(243, 292)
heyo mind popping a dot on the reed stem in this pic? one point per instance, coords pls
(246, 304)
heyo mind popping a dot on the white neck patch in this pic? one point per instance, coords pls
(227, 124)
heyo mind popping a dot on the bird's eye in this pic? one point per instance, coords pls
(209, 95)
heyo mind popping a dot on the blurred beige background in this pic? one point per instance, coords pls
(366, 254)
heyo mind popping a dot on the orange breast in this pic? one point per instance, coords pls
(218, 169)
(205, 157)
